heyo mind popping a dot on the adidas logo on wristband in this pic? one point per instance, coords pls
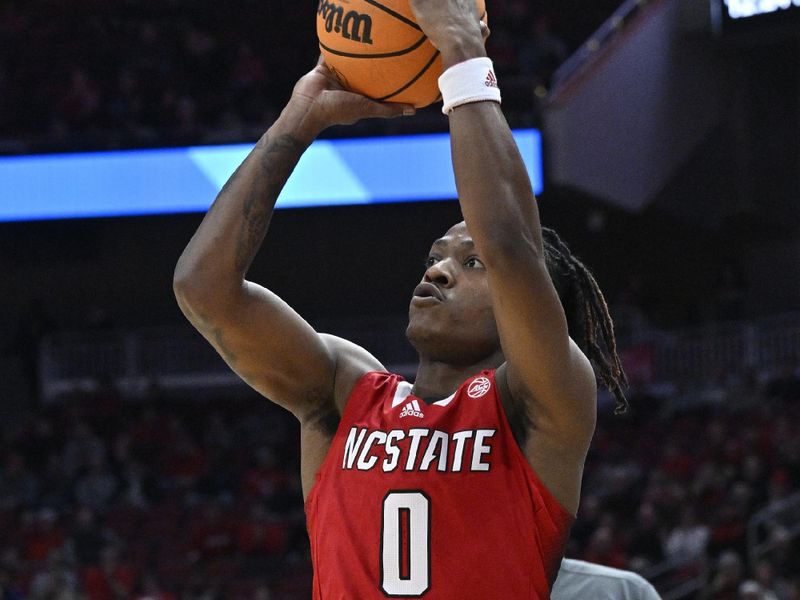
(473, 80)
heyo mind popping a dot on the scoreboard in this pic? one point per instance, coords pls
(743, 9)
(756, 16)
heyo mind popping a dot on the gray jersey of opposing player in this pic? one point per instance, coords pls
(578, 580)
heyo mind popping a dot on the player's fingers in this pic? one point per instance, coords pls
(385, 110)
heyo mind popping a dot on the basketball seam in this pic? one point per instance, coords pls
(412, 82)
(411, 48)
(396, 15)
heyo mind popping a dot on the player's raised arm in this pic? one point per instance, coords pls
(268, 344)
(544, 368)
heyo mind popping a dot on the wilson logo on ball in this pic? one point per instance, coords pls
(376, 48)
(351, 25)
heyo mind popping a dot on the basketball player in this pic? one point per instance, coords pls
(580, 579)
(464, 484)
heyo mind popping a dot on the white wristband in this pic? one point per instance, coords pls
(469, 81)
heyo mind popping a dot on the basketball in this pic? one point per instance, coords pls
(378, 50)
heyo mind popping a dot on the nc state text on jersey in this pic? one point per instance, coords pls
(418, 450)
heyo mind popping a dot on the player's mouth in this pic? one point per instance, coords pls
(427, 293)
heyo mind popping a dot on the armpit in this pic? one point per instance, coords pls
(516, 409)
(324, 418)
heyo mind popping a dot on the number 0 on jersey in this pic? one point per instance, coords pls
(405, 544)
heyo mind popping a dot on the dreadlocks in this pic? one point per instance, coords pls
(587, 314)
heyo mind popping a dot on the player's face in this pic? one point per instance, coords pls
(450, 317)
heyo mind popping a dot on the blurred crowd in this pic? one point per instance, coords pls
(104, 499)
(92, 74)
(100, 500)
(87, 74)
(681, 488)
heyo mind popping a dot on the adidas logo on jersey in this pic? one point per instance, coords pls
(412, 409)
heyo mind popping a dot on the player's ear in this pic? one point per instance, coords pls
(485, 31)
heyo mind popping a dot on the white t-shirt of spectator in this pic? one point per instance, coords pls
(578, 579)
(688, 542)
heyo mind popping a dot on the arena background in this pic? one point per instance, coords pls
(133, 465)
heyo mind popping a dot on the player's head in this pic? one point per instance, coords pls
(451, 319)
(459, 328)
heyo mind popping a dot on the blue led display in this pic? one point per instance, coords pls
(179, 180)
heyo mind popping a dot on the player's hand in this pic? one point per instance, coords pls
(453, 26)
(324, 102)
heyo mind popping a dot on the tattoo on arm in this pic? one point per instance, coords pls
(226, 352)
(205, 326)
(280, 155)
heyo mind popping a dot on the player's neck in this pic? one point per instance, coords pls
(437, 380)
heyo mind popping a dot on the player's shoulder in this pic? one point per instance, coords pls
(351, 353)
(352, 363)
(616, 583)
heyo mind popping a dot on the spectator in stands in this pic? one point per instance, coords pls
(87, 538)
(18, 486)
(646, 546)
(587, 521)
(262, 593)
(785, 554)
(98, 486)
(730, 520)
(187, 461)
(56, 489)
(754, 473)
(605, 548)
(8, 591)
(727, 577)
(778, 487)
(150, 589)
(111, 579)
(793, 590)
(56, 580)
(689, 539)
(265, 477)
(262, 533)
(200, 588)
(43, 534)
(785, 385)
(764, 575)
(138, 487)
(752, 590)
(83, 448)
(213, 531)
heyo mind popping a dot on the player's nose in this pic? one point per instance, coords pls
(441, 273)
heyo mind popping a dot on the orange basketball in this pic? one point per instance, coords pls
(377, 49)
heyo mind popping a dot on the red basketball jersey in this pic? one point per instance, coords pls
(431, 501)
